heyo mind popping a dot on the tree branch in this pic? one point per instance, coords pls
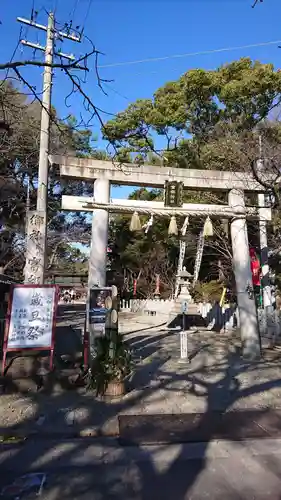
(256, 2)
(74, 65)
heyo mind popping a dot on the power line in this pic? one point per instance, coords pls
(73, 12)
(86, 16)
(32, 10)
(189, 54)
(12, 57)
(112, 89)
(55, 6)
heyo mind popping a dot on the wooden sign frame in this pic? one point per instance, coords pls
(50, 348)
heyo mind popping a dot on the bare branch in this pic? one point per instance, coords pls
(74, 65)
(36, 97)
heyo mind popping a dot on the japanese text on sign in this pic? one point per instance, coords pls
(32, 313)
(34, 268)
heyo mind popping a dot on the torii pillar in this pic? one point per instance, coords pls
(249, 329)
(99, 239)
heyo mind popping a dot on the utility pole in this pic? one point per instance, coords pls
(42, 193)
(42, 190)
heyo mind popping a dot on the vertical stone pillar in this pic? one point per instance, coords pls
(264, 255)
(99, 241)
(267, 314)
(250, 338)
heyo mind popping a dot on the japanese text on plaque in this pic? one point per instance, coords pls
(34, 272)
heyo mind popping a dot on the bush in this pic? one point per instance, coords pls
(209, 291)
(112, 363)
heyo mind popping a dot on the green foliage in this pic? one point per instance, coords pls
(68, 259)
(208, 291)
(200, 115)
(210, 120)
(19, 148)
(112, 363)
(143, 255)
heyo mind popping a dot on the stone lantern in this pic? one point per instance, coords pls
(184, 286)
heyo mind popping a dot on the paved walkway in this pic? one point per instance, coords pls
(87, 470)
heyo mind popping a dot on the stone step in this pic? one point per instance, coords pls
(195, 427)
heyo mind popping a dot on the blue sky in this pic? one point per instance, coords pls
(133, 30)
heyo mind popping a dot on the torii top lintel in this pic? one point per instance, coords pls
(152, 175)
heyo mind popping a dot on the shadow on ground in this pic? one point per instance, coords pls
(217, 385)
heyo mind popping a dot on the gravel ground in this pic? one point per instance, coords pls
(215, 378)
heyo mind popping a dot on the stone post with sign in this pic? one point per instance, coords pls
(102, 317)
(35, 247)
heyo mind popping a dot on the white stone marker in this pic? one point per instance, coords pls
(183, 345)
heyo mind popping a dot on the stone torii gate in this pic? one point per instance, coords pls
(103, 173)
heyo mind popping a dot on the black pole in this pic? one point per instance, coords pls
(184, 318)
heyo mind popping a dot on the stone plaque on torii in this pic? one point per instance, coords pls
(103, 173)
